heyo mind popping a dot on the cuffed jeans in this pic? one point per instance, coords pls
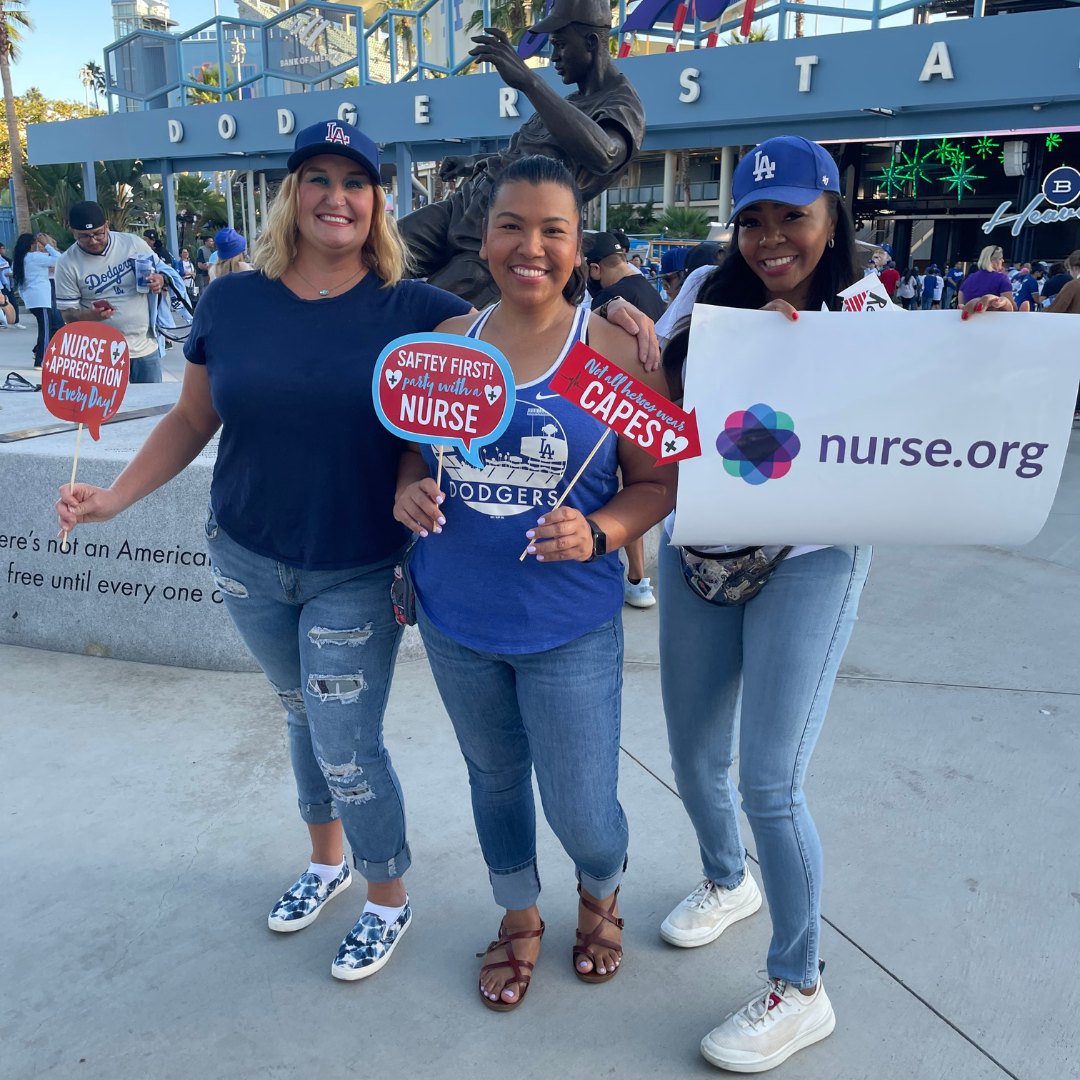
(327, 641)
(557, 711)
(782, 649)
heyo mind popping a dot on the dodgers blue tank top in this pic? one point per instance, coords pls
(469, 578)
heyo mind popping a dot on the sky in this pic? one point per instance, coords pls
(68, 33)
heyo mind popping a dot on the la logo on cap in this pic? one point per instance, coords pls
(764, 169)
(336, 134)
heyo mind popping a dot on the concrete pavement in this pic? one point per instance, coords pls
(149, 823)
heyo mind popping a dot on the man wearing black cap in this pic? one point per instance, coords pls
(595, 132)
(609, 270)
(95, 281)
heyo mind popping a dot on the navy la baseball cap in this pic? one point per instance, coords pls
(335, 137)
(786, 169)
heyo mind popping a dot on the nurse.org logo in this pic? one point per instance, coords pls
(758, 444)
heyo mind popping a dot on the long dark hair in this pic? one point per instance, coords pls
(22, 249)
(537, 170)
(734, 284)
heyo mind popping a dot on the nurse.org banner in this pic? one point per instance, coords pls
(917, 429)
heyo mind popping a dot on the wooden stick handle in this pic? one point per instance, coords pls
(71, 486)
(577, 477)
(438, 479)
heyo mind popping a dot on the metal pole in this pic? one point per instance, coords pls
(262, 200)
(251, 207)
(169, 198)
(727, 170)
(403, 195)
(603, 210)
(669, 178)
(228, 197)
(89, 182)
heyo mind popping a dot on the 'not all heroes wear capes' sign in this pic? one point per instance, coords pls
(626, 405)
(85, 374)
(916, 429)
(444, 390)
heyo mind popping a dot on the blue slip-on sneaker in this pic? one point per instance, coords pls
(369, 944)
(300, 906)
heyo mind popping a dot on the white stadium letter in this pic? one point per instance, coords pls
(508, 101)
(688, 81)
(226, 126)
(804, 64)
(348, 112)
(176, 131)
(937, 63)
(420, 114)
(286, 121)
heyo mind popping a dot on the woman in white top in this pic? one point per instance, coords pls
(35, 256)
(186, 269)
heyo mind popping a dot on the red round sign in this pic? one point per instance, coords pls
(85, 374)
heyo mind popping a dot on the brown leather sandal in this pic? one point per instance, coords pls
(521, 977)
(587, 942)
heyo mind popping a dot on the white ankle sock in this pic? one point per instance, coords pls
(389, 915)
(327, 872)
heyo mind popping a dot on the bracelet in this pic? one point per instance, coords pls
(602, 310)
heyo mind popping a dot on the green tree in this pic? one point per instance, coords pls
(13, 21)
(194, 196)
(631, 219)
(683, 223)
(34, 108)
(119, 183)
(209, 75)
(735, 38)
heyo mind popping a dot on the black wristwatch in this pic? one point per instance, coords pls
(599, 540)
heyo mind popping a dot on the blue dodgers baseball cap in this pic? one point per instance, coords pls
(787, 169)
(335, 137)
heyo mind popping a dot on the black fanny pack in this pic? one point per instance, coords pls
(729, 578)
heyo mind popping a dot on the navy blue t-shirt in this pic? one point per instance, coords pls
(305, 472)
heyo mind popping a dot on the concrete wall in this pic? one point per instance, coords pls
(136, 588)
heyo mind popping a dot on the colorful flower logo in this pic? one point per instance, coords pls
(758, 444)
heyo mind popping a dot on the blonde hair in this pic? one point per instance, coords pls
(989, 255)
(384, 251)
(230, 266)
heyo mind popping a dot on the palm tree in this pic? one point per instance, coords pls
(683, 223)
(97, 74)
(13, 21)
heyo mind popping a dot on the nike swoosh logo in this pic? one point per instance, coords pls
(544, 397)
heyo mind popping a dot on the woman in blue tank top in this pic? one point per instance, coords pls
(528, 655)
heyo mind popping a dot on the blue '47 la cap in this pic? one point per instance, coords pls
(335, 137)
(786, 169)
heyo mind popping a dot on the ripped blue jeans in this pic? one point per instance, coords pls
(327, 641)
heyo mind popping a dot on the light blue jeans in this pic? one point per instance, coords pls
(327, 641)
(557, 711)
(781, 650)
(145, 368)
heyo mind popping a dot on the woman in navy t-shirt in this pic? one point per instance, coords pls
(301, 540)
(528, 655)
(300, 532)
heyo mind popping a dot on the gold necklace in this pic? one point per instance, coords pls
(324, 292)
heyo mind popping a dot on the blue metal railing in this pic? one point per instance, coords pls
(395, 41)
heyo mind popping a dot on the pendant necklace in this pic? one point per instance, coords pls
(325, 292)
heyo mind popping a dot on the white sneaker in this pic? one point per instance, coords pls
(639, 595)
(708, 911)
(769, 1028)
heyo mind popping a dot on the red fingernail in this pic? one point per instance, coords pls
(964, 316)
(794, 316)
(978, 307)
